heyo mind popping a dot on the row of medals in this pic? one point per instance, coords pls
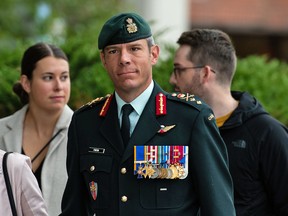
(174, 171)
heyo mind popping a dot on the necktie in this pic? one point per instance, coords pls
(125, 128)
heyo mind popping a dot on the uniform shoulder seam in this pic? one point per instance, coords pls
(92, 103)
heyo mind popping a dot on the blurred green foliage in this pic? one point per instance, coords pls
(267, 80)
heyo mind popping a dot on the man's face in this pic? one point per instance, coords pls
(185, 78)
(129, 65)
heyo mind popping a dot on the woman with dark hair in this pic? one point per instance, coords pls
(39, 129)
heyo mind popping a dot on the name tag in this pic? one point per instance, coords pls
(96, 150)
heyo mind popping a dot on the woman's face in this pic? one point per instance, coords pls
(49, 88)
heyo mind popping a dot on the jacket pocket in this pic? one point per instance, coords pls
(161, 194)
(96, 170)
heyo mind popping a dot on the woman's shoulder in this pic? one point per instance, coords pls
(17, 116)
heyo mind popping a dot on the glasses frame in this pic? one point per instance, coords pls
(179, 70)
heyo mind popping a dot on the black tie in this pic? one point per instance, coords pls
(125, 128)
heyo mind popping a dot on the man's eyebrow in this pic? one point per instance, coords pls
(111, 47)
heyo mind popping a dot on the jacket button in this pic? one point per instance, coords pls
(124, 198)
(92, 168)
(123, 170)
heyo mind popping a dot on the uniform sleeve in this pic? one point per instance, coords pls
(74, 201)
(210, 166)
(274, 165)
(31, 200)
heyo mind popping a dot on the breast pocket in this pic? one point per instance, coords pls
(96, 170)
(157, 194)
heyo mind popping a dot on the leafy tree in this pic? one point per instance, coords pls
(267, 80)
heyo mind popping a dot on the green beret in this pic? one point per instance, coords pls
(123, 28)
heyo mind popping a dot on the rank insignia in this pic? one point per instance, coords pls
(187, 97)
(161, 162)
(160, 104)
(164, 129)
(93, 189)
(131, 26)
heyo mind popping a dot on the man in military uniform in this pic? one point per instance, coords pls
(173, 162)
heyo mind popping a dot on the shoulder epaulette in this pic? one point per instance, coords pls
(194, 101)
(93, 102)
(187, 98)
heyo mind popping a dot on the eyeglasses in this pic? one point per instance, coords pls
(178, 71)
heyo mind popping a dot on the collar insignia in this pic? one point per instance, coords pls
(106, 106)
(161, 104)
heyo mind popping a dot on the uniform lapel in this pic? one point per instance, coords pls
(110, 128)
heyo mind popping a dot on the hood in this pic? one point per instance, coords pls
(248, 108)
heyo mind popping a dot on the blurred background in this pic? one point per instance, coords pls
(258, 28)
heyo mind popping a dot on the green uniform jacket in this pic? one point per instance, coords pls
(208, 185)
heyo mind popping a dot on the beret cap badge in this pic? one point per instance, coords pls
(131, 27)
(123, 28)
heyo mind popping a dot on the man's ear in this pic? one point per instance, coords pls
(207, 72)
(155, 51)
(26, 83)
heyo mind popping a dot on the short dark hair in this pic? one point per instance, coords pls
(211, 47)
(29, 60)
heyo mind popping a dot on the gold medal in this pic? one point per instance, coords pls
(181, 171)
(163, 173)
(174, 172)
(150, 171)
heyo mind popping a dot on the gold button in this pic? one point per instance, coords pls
(124, 199)
(123, 170)
(92, 168)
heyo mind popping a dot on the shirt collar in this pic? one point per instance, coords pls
(139, 102)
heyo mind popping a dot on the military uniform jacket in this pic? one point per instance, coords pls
(101, 179)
